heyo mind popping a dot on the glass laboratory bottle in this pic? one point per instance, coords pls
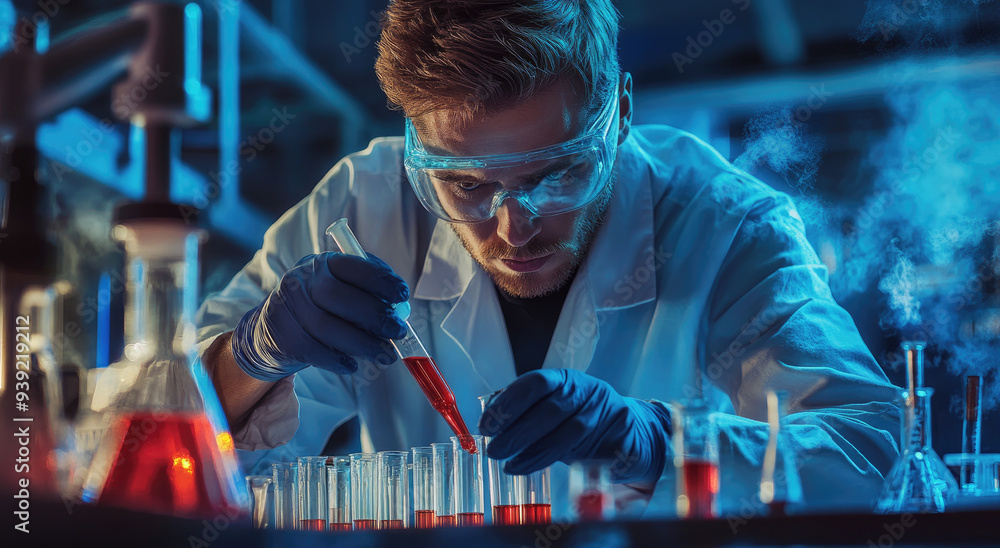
(918, 481)
(166, 449)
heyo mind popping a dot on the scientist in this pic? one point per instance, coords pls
(597, 271)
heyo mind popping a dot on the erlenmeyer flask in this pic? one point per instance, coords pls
(918, 481)
(166, 450)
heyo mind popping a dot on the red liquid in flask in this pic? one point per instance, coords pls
(425, 371)
(446, 521)
(424, 519)
(365, 525)
(340, 526)
(701, 485)
(507, 514)
(167, 463)
(536, 513)
(391, 524)
(470, 519)
(312, 524)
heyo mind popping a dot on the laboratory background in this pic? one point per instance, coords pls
(880, 118)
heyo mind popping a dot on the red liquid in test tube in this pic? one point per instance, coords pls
(425, 371)
(365, 525)
(506, 514)
(391, 524)
(413, 353)
(536, 513)
(424, 519)
(446, 521)
(340, 526)
(590, 506)
(312, 524)
(701, 483)
(470, 519)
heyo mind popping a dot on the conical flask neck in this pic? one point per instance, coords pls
(917, 420)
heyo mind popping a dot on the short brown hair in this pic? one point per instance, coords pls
(479, 56)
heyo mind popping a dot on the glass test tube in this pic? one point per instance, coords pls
(444, 484)
(590, 490)
(363, 493)
(696, 460)
(468, 483)
(312, 494)
(972, 424)
(423, 487)
(261, 490)
(338, 493)
(505, 489)
(418, 362)
(286, 507)
(536, 498)
(394, 485)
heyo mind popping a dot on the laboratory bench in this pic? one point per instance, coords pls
(55, 524)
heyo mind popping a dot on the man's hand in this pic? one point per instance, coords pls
(553, 415)
(326, 309)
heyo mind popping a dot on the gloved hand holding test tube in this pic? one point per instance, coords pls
(420, 364)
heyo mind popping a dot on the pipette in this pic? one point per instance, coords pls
(420, 364)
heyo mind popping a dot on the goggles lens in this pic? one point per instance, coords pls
(548, 181)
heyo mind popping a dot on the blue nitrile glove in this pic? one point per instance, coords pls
(551, 415)
(326, 309)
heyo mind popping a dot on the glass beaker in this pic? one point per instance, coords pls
(166, 450)
(696, 460)
(918, 481)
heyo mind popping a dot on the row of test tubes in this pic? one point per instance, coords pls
(440, 485)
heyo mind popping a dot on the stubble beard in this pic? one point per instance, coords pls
(526, 285)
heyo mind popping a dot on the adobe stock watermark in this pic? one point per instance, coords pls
(697, 44)
(363, 36)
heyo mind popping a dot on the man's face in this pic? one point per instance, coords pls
(526, 256)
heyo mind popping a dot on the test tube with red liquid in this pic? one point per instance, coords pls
(444, 484)
(469, 505)
(338, 492)
(590, 490)
(696, 460)
(392, 480)
(312, 494)
(423, 487)
(505, 489)
(536, 498)
(364, 499)
(418, 362)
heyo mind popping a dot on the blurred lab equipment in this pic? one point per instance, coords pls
(918, 481)
(696, 460)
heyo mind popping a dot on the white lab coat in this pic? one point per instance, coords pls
(700, 275)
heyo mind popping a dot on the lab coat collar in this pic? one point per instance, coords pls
(618, 270)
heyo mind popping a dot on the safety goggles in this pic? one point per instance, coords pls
(545, 181)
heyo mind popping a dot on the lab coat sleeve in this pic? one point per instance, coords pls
(299, 232)
(772, 323)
